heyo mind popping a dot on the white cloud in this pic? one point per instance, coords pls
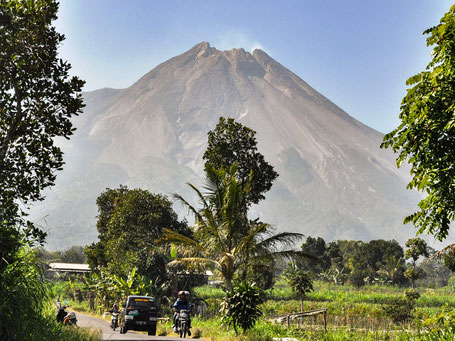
(235, 39)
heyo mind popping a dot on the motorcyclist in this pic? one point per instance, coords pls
(61, 313)
(59, 303)
(181, 303)
(114, 308)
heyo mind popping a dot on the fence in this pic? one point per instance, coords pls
(318, 320)
(300, 318)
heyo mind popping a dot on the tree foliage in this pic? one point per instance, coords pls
(426, 135)
(377, 261)
(415, 248)
(129, 223)
(241, 306)
(37, 100)
(231, 142)
(300, 282)
(400, 309)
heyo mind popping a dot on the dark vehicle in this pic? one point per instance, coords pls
(114, 321)
(182, 322)
(140, 314)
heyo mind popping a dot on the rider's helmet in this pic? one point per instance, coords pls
(182, 293)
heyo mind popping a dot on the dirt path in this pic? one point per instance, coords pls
(108, 334)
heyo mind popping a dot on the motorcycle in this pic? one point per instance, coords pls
(70, 319)
(183, 320)
(114, 320)
(65, 318)
(61, 314)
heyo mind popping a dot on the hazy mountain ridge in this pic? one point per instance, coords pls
(334, 180)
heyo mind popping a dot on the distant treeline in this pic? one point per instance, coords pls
(340, 262)
(377, 261)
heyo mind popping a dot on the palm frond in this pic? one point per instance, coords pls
(277, 255)
(287, 239)
(192, 262)
(253, 234)
(444, 251)
(185, 203)
(171, 236)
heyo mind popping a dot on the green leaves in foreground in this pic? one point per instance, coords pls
(426, 136)
(241, 306)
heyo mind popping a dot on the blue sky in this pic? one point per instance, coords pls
(356, 53)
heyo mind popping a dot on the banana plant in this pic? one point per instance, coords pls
(125, 286)
(152, 288)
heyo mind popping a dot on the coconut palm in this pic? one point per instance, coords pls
(223, 236)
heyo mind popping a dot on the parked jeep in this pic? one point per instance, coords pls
(140, 313)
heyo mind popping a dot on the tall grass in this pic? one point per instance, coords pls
(25, 311)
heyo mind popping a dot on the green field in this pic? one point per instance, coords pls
(352, 314)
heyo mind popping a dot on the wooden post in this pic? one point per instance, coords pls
(325, 320)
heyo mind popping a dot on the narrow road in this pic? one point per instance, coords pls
(108, 334)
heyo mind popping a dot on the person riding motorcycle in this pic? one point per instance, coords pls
(114, 309)
(181, 303)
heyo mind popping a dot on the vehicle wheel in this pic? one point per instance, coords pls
(152, 330)
(123, 330)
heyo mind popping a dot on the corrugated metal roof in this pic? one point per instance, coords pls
(68, 267)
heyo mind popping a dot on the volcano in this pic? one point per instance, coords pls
(334, 180)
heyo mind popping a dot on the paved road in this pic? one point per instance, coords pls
(109, 334)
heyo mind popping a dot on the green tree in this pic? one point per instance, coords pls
(129, 223)
(241, 306)
(75, 254)
(37, 100)
(231, 142)
(426, 135)
(223, 236)
(315, 247)
(392, 270)
(448, 259)
(300, 282)
(415, 248)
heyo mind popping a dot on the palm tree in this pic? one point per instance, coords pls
(223, 236)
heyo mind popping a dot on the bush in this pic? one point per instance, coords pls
(400, 309)
(441, 326)
(241, 306)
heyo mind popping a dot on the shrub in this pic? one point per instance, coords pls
(400, 309)
(241, 306)
(441, 326)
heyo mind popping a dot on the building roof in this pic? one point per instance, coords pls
(69, 267)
